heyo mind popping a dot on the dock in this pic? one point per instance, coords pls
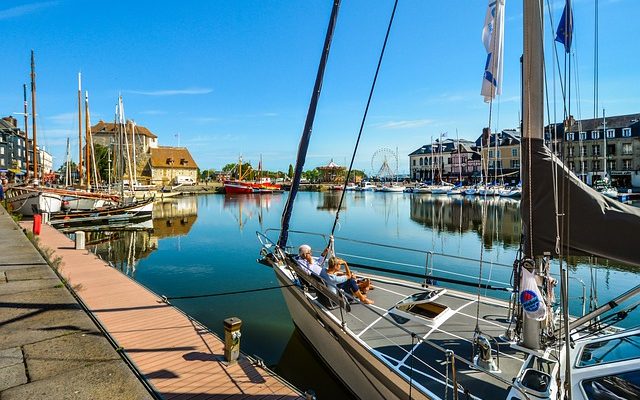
(49, 346)
(177, 357)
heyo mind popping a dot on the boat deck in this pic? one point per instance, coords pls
(179, 357)
(390, 338)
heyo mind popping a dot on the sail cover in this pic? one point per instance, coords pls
(592, 224)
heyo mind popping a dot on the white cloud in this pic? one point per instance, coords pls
(26, 9)
(172, 92)
(64, 118)
(404, 124)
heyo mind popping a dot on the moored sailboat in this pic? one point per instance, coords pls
(422, 340)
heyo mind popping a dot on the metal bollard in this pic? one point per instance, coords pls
(232, 339)
(79, 240)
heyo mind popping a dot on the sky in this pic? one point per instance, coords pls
(231, 78)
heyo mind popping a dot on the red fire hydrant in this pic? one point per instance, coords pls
(37, 223)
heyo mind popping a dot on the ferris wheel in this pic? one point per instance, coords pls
(384, 163)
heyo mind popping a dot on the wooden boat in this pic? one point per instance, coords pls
(30, 200)
(134, 211)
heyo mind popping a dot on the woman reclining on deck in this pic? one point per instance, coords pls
(347, 281)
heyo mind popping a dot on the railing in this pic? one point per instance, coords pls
(426, 271)
(410, 359)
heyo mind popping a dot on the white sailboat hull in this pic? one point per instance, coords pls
(349, 360)
(81, 203)
(30, 202)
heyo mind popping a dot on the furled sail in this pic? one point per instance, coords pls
(588, 224)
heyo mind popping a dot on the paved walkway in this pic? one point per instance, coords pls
(49, 347)
(178, 356)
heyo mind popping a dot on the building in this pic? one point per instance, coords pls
(12, 147)
(432, 161)
(331, 173)
(588, 143)
(105, 134)
(166, 163)
(503, 161)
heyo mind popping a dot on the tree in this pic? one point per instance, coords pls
(102, 160)
(290, 173)
(312, 175)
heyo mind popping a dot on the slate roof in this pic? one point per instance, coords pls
(508, 137)
(111, 128)
(449, 145)
(592, 124)
(164, 156)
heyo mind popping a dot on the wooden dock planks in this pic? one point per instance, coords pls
(177, 355)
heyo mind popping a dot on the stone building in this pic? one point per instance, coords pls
(440, 158)
(588, 143)
(166, 163)
(105, 134)
(503, 162)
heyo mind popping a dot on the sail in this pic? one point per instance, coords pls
(493, 40)
(592, 223)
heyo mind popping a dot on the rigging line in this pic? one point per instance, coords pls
(364, 116)
(198, 296)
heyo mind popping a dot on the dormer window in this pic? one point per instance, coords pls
(611, 133)
(595, 135)
(183, 161)
(570, 136)
(626, 132)
(169, 161)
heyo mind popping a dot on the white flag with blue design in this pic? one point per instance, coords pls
(493, 40)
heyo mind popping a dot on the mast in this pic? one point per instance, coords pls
(459, 158)
(87, 132)
(533, 122)
(67, 173)
(33, 116)
(26, 129)
(80, 176)
(308, 127)
(133, 148)
(604, 153)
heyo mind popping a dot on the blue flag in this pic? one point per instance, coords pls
(565, 27)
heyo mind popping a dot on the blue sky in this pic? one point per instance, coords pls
(235, 77)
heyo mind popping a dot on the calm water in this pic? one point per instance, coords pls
(207, 244)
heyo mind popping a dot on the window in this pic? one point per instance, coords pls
(583, 150)
(594, 135)
(2, 162)
(414, 162)
(611, 133)
(626, 165)
(583, 135)
(626, 132)
(421, 161)
(572, 166)
(571, 150)
(583, 166)
(2, 150)
(595, 150)
(611, 164)
(515, 164)
(596, 165)
(514, 152)
(620, 386)
(499, 154)
(570, 136)
(627, 149)
(490, 153)
(608, 351)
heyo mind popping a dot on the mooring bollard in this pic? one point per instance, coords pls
(45, 217)
(232, 339)
(79, 240)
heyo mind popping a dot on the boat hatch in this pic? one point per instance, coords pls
(420, 305)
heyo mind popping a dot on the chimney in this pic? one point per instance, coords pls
(12, 121)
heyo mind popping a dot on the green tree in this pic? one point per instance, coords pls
(102, 160)
(312, 175)
(290, 173)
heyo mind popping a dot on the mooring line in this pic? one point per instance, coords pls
(197, 296)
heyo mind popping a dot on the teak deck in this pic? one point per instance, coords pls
(177, 356)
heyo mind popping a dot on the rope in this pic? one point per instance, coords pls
(198, 296)
(364, 116)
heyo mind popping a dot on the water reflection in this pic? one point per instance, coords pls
(125, 248)
(245, 207)
(464, 214)
(329, 201)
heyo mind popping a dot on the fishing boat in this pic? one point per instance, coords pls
(366, 186)
(30, 200)
(393, 188)
(134, 212)
(423, 339)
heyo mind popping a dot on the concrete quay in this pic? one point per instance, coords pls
(49, 347)
(175, 356)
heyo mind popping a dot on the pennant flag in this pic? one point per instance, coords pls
(564, 33)
(493, 40)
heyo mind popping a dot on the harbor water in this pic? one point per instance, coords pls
(207, 246)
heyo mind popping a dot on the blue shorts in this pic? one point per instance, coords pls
(349, 286)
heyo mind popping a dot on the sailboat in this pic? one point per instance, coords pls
(422, 340)
(33, 199)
